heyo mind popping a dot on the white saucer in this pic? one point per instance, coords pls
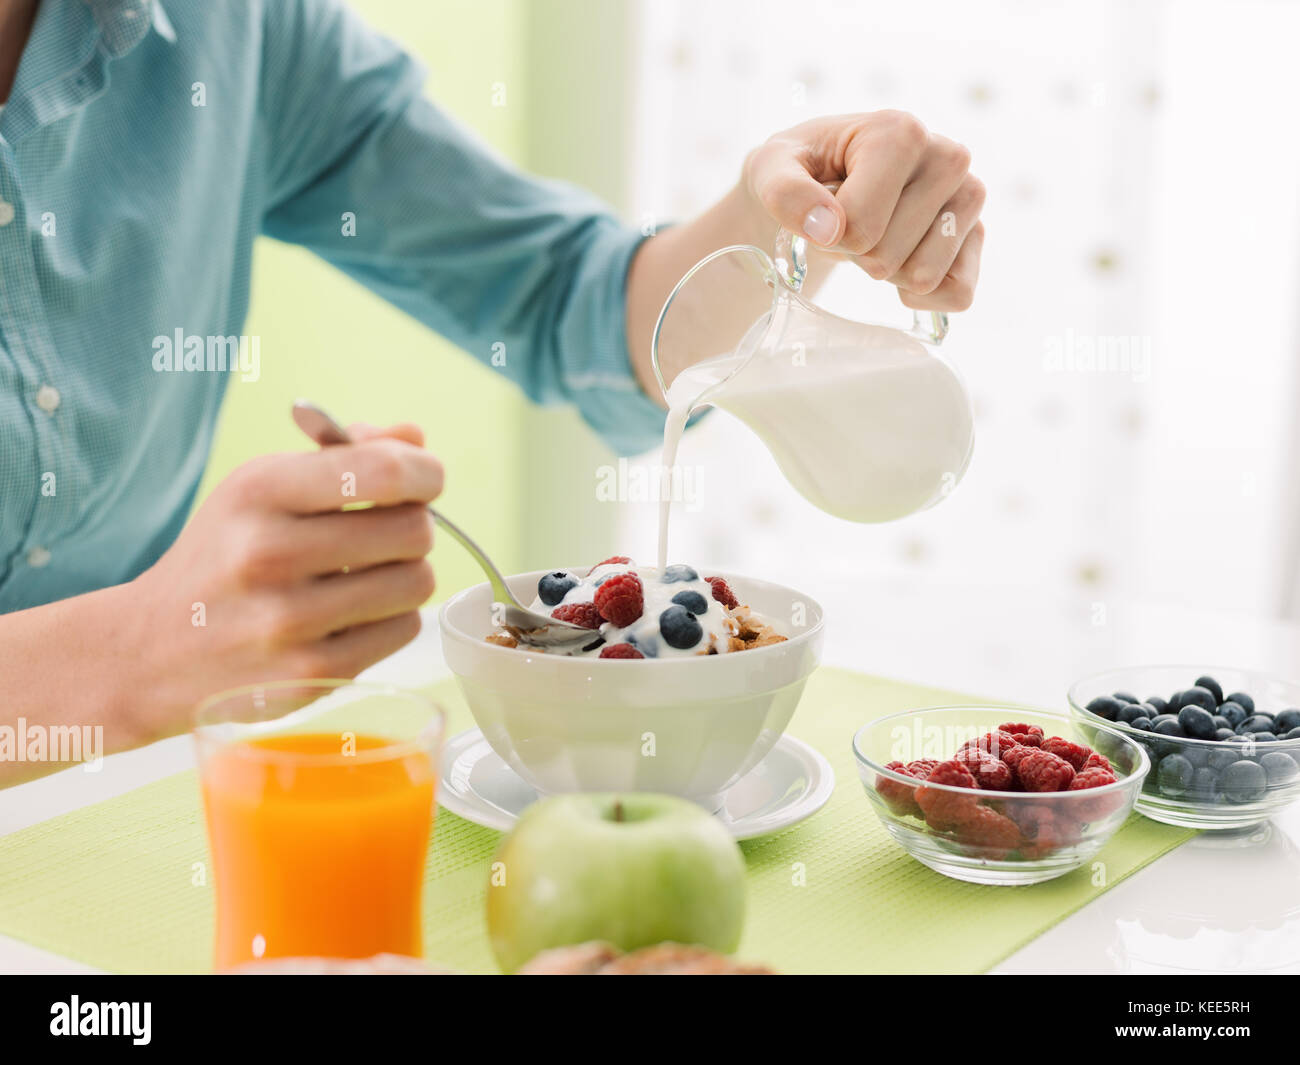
(793, 782)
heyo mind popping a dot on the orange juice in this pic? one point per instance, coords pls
(317, 852)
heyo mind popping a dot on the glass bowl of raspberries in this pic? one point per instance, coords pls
(994, 795)
(1224, 743)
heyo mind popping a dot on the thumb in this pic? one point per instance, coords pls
(792, 196)
(407, 431)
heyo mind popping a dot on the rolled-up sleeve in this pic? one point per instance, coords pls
(525, 274)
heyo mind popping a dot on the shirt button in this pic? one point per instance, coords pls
(38, 557)
(48, 398)
(6, 213)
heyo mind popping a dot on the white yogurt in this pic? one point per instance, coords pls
(644, 633)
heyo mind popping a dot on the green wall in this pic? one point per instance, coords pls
(326, 338)
(579, 122)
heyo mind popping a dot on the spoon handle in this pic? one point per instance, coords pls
(500, 591)
(322, 428)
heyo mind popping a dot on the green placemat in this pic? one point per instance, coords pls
(121, 885)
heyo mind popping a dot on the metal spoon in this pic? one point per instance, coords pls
(528, 626)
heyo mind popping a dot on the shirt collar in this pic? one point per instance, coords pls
(124, 23)
(64, 64)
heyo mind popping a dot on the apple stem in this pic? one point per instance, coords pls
(618, 809)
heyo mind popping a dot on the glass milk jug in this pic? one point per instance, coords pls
(866, 421)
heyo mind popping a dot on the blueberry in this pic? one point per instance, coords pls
(679, 627)
(1287, 720)
(1175, 702)
(1158, 704)
(1196, 722)
(1263, 737)
(1174, 776)
(1223, 734)
(1125, 697)
(1222, 757)
(1168, 727)
(1142, 724)
(1294, 734)
(1279, 768)
(1196, 754)
(692, 601)
(552, 588)
(1202, 697)
(1243, 782)
(1212, 686)
(1255, 723)
(1111, 747)
(1130, 712)
(1205, 783)
(1162, 719)
(1243, 700)
(674, 574)
(1233, 712)
(1262, 713)
(1106, 707)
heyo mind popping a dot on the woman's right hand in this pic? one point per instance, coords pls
(273, 579)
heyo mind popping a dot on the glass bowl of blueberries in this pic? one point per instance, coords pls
(1224, 743)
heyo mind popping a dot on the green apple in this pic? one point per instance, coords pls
(631, 870)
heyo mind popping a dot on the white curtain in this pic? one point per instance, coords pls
(1141, 165)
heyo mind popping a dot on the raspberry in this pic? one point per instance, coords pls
(989, 773)
(899, 797)
(1044, 771)
(1097, 761)
(989, 832)
(922, 768)
(1026, 735)
(1045, 830)
(1013, 756)
(620, 650)
(951, 773)
(722, 592)
(584, 614)
(1012, 761)
(1074, 753)
(1092, 778)
(996, 743)
(1097, 807)
(621, 599)
(615, 560)
(946, 809)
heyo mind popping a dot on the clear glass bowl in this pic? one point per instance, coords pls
(1208, 802)
(1052, 832)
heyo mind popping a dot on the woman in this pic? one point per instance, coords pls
(143, 146)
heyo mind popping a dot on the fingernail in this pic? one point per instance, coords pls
(820, 226)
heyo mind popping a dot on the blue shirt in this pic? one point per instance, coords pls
(141, 152)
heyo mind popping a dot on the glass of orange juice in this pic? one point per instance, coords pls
(319, 800)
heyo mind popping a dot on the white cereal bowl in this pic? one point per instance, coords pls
(688, 726)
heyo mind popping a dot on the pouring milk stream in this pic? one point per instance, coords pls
(865, 421)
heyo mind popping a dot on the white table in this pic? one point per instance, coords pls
(1208, 906)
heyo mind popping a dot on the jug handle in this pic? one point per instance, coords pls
(790, 256)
